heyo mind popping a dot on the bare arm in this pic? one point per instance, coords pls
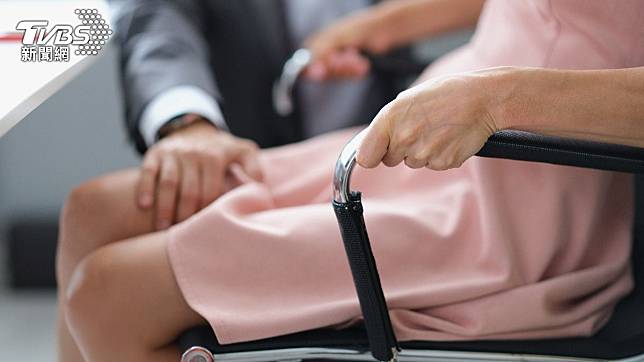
(407, 21)
(381, 28)
(598, 105)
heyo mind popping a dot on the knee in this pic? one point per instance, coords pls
(91, 213)
(89, 299)
(79, 222)
(85, 204)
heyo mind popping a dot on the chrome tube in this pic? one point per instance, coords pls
(406, 355)
(344, 167)
(283, 87)
(197, 354)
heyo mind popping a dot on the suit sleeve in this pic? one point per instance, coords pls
(162, 49)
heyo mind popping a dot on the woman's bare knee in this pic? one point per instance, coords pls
(123, 301)
(85, 300)
(97, 212)
(97, 310)
(106, 203)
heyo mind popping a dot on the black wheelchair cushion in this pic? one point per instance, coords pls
(622, 337)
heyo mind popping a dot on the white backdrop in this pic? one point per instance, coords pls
(75, 135)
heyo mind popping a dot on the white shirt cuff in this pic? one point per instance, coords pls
(175, 102)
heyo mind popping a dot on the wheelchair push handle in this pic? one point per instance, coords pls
(348, 210)
(283, 102)
(344, 168)
(283, 86)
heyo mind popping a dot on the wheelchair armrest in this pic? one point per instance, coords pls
(524, 146)
(508, 144)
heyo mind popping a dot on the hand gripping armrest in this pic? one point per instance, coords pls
(508, 144)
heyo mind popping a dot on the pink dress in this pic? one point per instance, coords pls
(496, 249)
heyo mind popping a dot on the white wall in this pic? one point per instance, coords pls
(75, 135)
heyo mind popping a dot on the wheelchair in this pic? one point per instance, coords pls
(621, 339)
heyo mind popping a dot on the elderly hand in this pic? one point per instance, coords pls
(437, 124)
(185, 171)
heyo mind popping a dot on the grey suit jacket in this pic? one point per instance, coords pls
(232, 49)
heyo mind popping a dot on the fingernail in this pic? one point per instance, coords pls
(163, 224)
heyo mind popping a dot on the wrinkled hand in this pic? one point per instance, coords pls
(336, 48)
(185, 171)
(437, 124)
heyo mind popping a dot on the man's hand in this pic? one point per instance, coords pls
(185, 171)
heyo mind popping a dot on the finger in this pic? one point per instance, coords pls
(249, 162)
(439, 164)
(317, 71)
(188, 200)
(394, 156)
(375, 142)
(361, 67)
(403, 136)
(147, 180)
(245, 153)
(396, 152)
(444, 157)
(377, 45)
(413, 162)
(358, 64)
(417, 155)
(350, 66)
(167, 192)
(212, 178)
(320, 45)
(342, 65)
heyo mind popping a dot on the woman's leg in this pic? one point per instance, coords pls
(124, 303)
(95, 214)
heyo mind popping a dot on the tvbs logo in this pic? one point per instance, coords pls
(42, 42)
(35, 32)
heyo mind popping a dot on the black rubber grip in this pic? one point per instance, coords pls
(524, 146)
(382, 340)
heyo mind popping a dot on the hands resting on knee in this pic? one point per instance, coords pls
(185, 171)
